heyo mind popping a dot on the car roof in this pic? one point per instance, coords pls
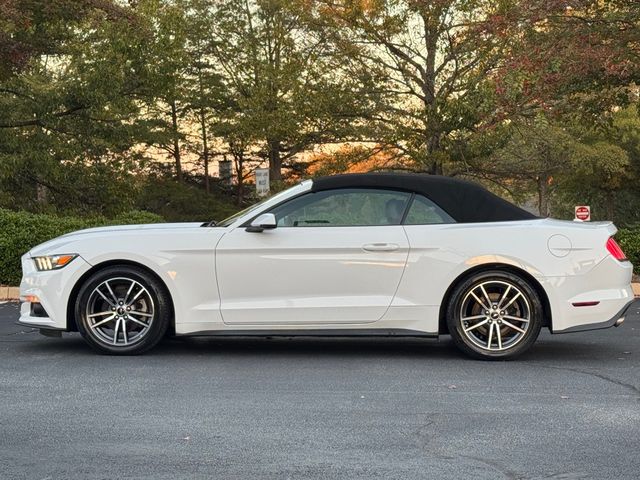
(464, 201)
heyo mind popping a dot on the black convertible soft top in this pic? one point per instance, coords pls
(465, 202)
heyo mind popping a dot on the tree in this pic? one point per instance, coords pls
(430, 62)
(63, 128)
(283, 84)
(578, 56)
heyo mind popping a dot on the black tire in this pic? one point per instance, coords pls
(475, 330)
(107, 290)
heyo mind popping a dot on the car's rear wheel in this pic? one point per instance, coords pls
(122, 310)
(494, 315)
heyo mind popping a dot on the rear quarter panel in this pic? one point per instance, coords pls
(440, 254)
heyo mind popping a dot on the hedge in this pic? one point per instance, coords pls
(629, 240)
(21, 231)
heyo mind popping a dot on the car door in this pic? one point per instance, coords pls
(335, 257)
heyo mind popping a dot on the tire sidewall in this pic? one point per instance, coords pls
(455, 327)
(158, 294)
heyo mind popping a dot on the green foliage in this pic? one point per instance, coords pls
(180, 202)
(21, 231)
(629, 240)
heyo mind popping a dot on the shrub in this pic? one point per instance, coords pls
(21, 231)
(629, 240)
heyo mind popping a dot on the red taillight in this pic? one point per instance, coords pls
(615, 250)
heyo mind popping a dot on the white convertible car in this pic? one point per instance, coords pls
(361, 254)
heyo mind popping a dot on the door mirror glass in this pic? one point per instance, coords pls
(263, 222)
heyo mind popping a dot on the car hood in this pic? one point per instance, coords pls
(59, 243)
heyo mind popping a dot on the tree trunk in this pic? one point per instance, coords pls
(176, 143)
(205, 150)
(433, 146)
(275, 162)
(610, 202)
(42, 196)
(543, 196)
(239, 164)
(432, 120)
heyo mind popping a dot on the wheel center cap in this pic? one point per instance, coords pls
(120, 311)
(494, 315)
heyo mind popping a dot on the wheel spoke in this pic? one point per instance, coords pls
(499, 336)
(512, 326)
(113, 295)
(115, 332)
(479, 301)
(486, 296)
(101, 314)
(504, 296)
(515, 297)
(490, 338)
(124, 331)
(517, 319)
(479, 324)
(136, 296)
(143, 314)
(105, 298)
(102, 322)
(129, 292)
(473, 317)
(137, 320)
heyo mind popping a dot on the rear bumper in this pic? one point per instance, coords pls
(615, 321)
(594, 300)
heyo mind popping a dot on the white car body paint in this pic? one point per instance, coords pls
(224, 279)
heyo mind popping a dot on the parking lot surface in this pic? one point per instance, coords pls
(244, 408)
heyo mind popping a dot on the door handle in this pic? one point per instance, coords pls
(380, 247)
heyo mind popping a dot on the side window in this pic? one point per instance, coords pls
(424, 212)
(343, 207)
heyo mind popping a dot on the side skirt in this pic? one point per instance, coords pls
(338, 332)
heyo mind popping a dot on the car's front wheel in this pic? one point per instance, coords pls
(122, 310)
(494, 315)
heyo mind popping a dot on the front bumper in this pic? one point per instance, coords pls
(52, 289)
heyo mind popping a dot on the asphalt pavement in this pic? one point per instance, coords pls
(308, 408)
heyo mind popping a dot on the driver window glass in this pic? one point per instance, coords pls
(424, 212)
(343, 207)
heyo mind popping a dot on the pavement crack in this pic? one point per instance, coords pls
(601, 376)
(497, 466)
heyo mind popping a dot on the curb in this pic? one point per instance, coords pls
(13, 293)
(9, 293)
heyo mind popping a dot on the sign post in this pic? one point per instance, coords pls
(262, 182)
(582, 213)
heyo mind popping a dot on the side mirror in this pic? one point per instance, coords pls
(266, 221)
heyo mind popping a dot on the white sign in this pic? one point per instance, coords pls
(262, 181)
(582, 213)
(224, 171)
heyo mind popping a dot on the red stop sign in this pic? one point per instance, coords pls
(583, 213)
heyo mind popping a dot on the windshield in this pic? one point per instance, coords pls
(228, 221)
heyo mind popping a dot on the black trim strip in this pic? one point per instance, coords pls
(335, 332)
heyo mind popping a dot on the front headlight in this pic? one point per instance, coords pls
(53, 262)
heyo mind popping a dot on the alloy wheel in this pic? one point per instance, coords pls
(120, 312)
(495, 315)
